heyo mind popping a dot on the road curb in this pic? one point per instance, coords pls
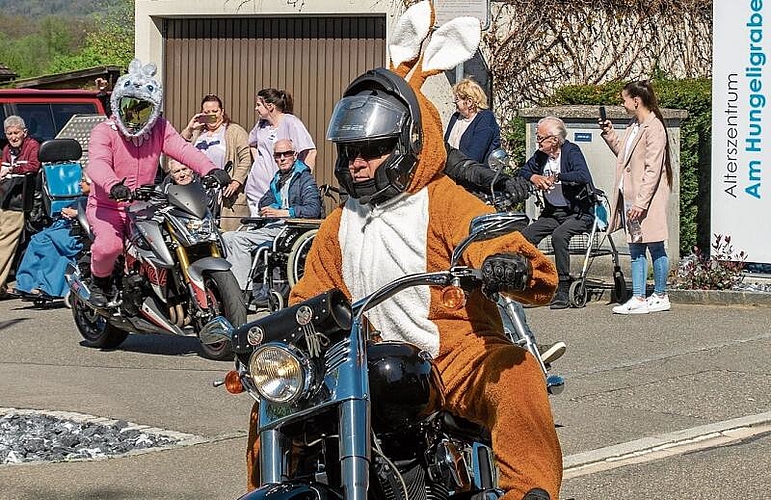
(720, 297)
(636, 448)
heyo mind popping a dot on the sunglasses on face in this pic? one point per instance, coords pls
(283, 154)
(368, 150)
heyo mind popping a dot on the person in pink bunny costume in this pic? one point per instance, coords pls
(124, 154)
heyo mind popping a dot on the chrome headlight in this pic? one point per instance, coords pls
(280, 373)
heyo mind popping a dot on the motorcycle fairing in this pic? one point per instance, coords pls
(158, 252)
(293, 490)
(190, 198)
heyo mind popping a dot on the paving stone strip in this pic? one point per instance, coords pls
(29, 436)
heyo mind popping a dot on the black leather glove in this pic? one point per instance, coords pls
(518, 189)
(215, 178)
(504, 272)
(119, 192)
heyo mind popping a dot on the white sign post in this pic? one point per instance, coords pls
(741, 122)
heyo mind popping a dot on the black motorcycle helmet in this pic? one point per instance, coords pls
(378, 113)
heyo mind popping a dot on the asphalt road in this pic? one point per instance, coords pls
(628, 378)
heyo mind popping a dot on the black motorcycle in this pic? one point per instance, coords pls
(344, 416)
(172, 276)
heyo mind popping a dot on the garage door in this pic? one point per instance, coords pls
(314, 58)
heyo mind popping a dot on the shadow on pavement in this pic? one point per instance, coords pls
(166, 345)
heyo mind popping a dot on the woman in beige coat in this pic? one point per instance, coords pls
(643, 179)
(223, 141)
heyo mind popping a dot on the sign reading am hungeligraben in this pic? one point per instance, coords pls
(741, 151)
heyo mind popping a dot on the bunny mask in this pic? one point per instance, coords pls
(137, 100)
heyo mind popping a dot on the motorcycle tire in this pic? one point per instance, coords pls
(94, 328)
(226, 300)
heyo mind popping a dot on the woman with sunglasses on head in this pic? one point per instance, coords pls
(472, 128)
(275, 122)
(223, 141)
(644, 179)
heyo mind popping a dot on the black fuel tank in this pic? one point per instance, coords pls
(405, 384)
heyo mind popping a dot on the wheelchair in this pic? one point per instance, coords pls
(55, 186)
(278, 267)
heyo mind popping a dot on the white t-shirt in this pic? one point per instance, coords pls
(555, 195)
(461, 124)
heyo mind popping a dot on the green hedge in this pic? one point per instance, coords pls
(693, 96)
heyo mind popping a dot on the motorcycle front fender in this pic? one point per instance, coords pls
(195, 274)
(293, 490)
(197, 268)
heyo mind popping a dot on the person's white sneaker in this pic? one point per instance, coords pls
(635, 305)
(658, 302)
(550, 354)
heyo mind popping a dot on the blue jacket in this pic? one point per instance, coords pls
(480, 138)
(574, 175)
(304, 198)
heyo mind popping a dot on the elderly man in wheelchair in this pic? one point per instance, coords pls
(293, 195)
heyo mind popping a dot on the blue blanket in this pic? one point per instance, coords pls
(46, 258)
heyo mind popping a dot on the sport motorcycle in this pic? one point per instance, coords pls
(172, 277)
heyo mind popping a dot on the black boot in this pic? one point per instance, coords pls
(560, 300)
(100, 288)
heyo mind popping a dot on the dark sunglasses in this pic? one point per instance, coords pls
(283, 154)
(368, 150)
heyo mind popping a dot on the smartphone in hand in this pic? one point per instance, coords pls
(603, 115)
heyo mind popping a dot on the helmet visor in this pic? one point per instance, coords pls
(135, 113)
(362, 117)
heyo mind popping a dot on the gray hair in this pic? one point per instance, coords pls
(556, 127)
(14, 121)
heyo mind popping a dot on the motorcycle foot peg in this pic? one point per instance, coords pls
(555, 384)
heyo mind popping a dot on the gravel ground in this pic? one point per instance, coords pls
(30, 436)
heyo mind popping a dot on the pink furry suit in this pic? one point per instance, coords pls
(113, 157)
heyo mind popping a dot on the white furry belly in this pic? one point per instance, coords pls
(381, 244)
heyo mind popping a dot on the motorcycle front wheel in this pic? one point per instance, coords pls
(225, 299)
(94, 328)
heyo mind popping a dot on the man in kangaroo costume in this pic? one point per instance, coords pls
(405, 216)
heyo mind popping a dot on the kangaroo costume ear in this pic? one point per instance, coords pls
(408, 35)
(448, 46)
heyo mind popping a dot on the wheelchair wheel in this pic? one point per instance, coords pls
(275, 301)
(295, 262)
(620, 291)
(577, 295)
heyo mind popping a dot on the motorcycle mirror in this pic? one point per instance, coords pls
(215, 331)
(489, 226)
(498, 159)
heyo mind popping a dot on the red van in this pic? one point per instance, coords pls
(47, 111)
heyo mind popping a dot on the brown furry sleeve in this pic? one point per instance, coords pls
(323, 266)
(451, 213)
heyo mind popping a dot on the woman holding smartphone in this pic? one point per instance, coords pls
(644, 180)
(223, 141)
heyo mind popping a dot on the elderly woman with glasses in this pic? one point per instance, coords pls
(224, 142)
(472, 128)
